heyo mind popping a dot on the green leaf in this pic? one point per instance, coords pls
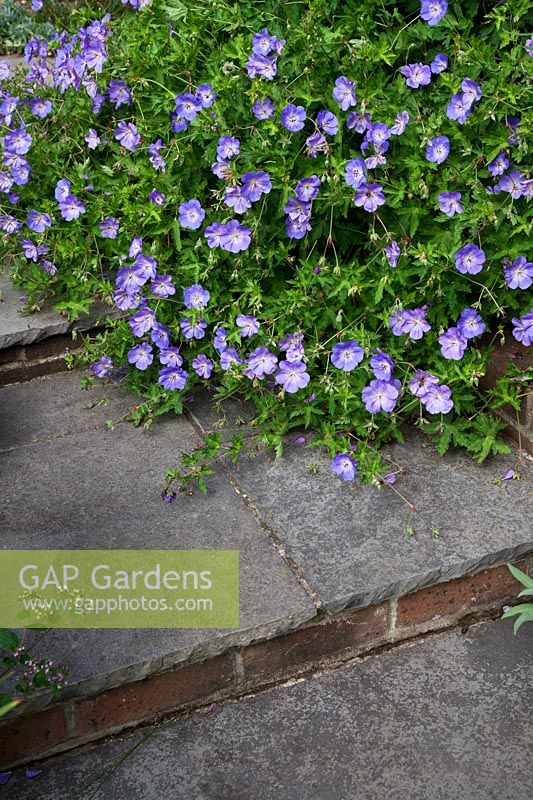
(8, 640)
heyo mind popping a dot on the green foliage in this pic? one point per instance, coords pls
(524, 610)
(17, 25)
(335, 284)
(32, 674)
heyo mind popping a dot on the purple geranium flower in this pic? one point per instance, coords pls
(17, 141)
(92, 139)
(513, 183)
(264, 66)
(142, 321)
(307, 188)
(344, 466)
(235, 199)
(397, 320)
(523, 328)
(102, 368)
(255, 184)
(438, 399)
(118, 93)
(382, 366)
(206, 95)
(172, 378)
(170, 356)
(369, 196)
(228, 358)
(450, 203)
(128, 135)
(453, 344)
(187, 106)
(498, 165)
(248, 325)
(519, 274)
(438, 149)
(471, 91)
(191, 214)
(347, 355)
(260, 363)
(130, 280)
(355, 172)
(9, 224)
(141, 355)
(40, 108)
(416, 75)
(432, 11)
(439, 64)
(228, 147)
(292, 346)
(343, 93)
(470, 323)
(293, 117)
(145, 266)
(263, 43)
(162, 286)
(421, 381)
(71, 208)
(292, 376)
(316, 143)
(400, 123)
(459, 108)
(327, 122)
(358, 121)
(126, 301)
(193, 329)
(213, 234)
(196, 296)
(202, 365)
(38, 221)
(109, 227)
(62, 189)
(263, 109)
(393, 252)
(469, 259)
(160, 336)
(235, 237)
(157, 198)
(415, 323)
(379, 396)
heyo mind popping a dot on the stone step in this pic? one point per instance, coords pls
(447, 717)
(328, 570)
(35, 344)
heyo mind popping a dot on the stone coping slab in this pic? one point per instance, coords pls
(308, 542)
(17, 328)
(447, 717)
(70, 483)
(351, 541)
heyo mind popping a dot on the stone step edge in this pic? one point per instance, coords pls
(325, 640)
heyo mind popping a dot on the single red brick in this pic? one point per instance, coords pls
(27, 737)
(491, 586)
(145, 700)
(295, 651)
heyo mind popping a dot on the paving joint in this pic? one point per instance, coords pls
(267, 529)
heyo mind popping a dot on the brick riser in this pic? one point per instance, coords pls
(323, 642)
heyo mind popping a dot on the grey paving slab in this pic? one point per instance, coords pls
(440, 719)
(56, 406)
(101, 489)
(350, 541)
(17, 328)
